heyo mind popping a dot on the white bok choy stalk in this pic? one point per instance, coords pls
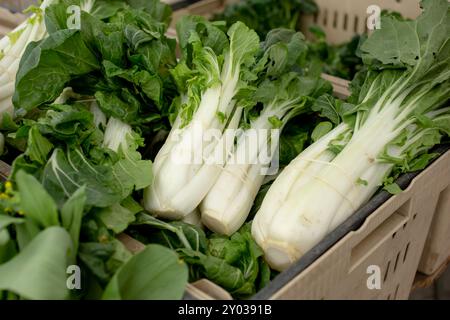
(215, 67)
(282, 93)
(402, 112)
(120, 138)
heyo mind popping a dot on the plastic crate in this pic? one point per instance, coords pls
(343, 19)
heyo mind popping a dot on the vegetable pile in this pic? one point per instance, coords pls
(107, 131)
(85, 99)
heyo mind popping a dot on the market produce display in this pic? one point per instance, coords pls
(106, 129)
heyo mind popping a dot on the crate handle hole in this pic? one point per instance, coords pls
(387, 271)
(345, 22)
(406, 252)
(356, 24)
(394, 235)
(396, 261)
(396, 291)
(404, 226)
(335, 19)
(325, 17)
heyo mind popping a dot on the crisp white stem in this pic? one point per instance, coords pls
(6, 91)
(6, 106)
(178, 197)
(194, 219)
(314, 156)
(99, 116)
(229, 201)
(116, 134)
(302, 219)
(191, 195)
(372, 176)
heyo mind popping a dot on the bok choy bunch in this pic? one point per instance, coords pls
(118, 71)
(215, 67)
(400, 112)
(12, 47)
(282, 90)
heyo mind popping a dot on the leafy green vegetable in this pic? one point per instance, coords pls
(37, 81)
(38, 146)
(209, 84)
(393, 188)
(125, 59)
(39, 271)
(283, 87)
(72, 214)
(116, 217)
(235, 262)
(154, 273)
(35, 201)
(265, 15)
(66, 173)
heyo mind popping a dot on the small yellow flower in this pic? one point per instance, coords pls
(21, 212)
(8, 185)
(4, 196)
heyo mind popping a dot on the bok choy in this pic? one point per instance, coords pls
(12, 48)
(283, 89)
(399, 112)
(216, 66)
